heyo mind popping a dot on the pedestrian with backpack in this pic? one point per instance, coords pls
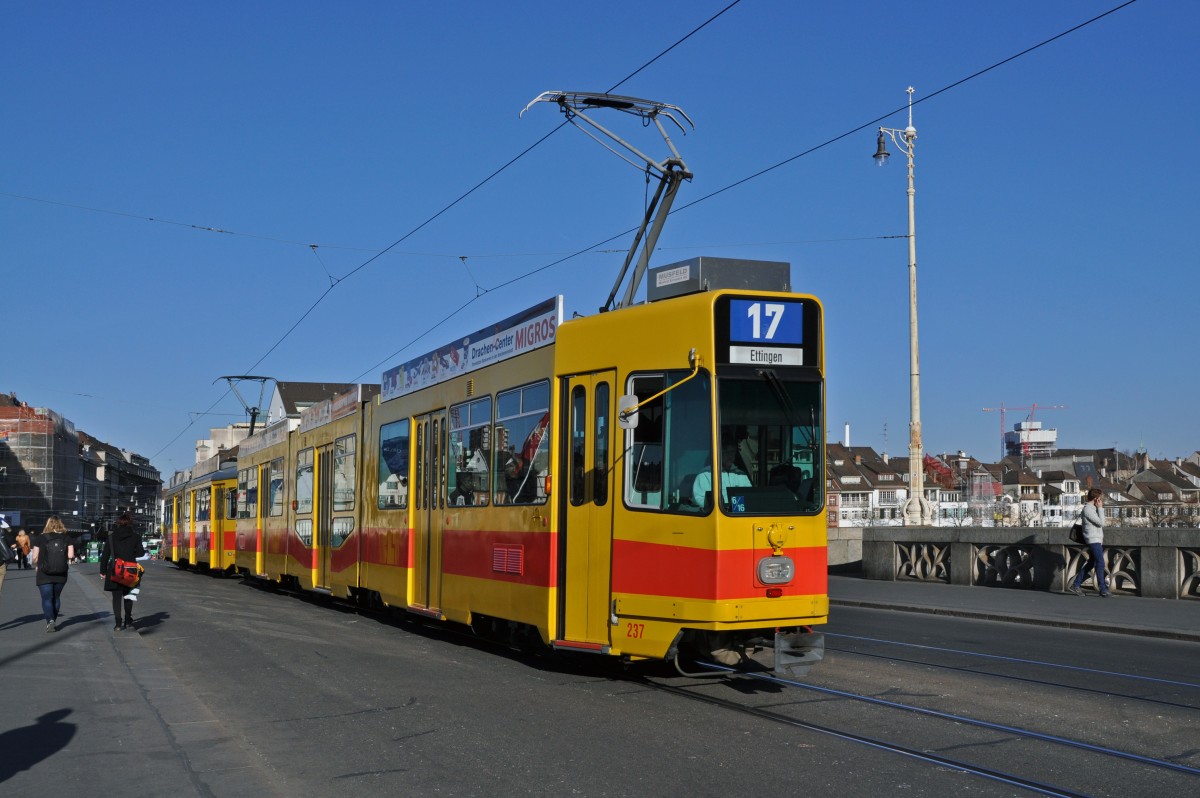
(52, 552)
(123, 543)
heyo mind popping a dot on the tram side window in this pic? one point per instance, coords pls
(343, 474)
(342, 527)
(522, 445)
(671, 444)
(275, 489)
(231, 503)
(470, 450)
(393, 465)
(203, 502)
(304, 481)
(597, 473)
(247, 494)
(600, 461)
(578, 441)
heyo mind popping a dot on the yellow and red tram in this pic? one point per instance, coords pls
(172, 509)
(643, 483)
(321, 547)
(212, 499)
(198, 515)
(262, 526)
(580, 523)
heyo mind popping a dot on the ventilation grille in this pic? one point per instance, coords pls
(508, 559)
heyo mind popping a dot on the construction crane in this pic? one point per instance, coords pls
(1003, 409)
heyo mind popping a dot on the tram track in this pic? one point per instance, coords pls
(1074, 669)
(1175, 771)
(878, 744)
(984, 724)
(1099, 682)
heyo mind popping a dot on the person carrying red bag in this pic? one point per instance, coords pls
(123, 543)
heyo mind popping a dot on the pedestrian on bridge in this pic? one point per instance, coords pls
(1093, 535)
(22, 550)
(8, 551)
(52, 553)
(125, 544)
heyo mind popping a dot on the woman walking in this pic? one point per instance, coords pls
(1093, 535)
(52, 552)
(123, 543)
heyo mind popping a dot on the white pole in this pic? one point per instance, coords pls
(917, 509)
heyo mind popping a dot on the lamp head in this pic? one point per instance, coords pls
(881, 153)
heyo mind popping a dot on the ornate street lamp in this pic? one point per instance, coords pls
(917, 509)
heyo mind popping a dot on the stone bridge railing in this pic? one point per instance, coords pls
(1158, 563)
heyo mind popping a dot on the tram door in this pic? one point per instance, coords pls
(428, 499)
(586, 542)
(323, 516)
(204, 524)
(189, 552)
(181, 521)
(216, 538)
(264, 491)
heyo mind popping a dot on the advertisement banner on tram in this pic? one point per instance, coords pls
(522, 332)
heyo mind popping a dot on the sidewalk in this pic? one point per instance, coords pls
(1177, 619)
(90, 710)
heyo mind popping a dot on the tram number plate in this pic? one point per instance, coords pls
(779, 323)
(635, 629)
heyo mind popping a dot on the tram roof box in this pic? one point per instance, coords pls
(709, 274)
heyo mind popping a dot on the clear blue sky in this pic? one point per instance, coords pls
(1057, 204)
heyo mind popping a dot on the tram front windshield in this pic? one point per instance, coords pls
(770, 449)
(769, 453)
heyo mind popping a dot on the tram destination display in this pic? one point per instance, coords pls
(767, 332)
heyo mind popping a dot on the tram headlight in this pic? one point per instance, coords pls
(776, 570)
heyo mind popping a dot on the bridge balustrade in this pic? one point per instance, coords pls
(1157, 563)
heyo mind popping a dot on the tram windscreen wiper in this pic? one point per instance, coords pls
(789, 410)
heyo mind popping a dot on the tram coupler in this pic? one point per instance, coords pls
(796, 652)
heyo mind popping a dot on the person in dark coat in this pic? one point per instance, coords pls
(125, 544)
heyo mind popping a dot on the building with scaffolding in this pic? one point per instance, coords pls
(40, 469)
(48, 467)
(1028, 439)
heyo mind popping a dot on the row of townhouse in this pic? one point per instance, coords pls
(1159, 493)
(865, 488)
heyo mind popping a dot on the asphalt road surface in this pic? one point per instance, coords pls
(243, 691)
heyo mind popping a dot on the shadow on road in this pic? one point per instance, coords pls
(22, 620)
(74, 620)
(147, 624)
(25, 747)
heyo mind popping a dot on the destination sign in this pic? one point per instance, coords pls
(768, 332)
(766, 356)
